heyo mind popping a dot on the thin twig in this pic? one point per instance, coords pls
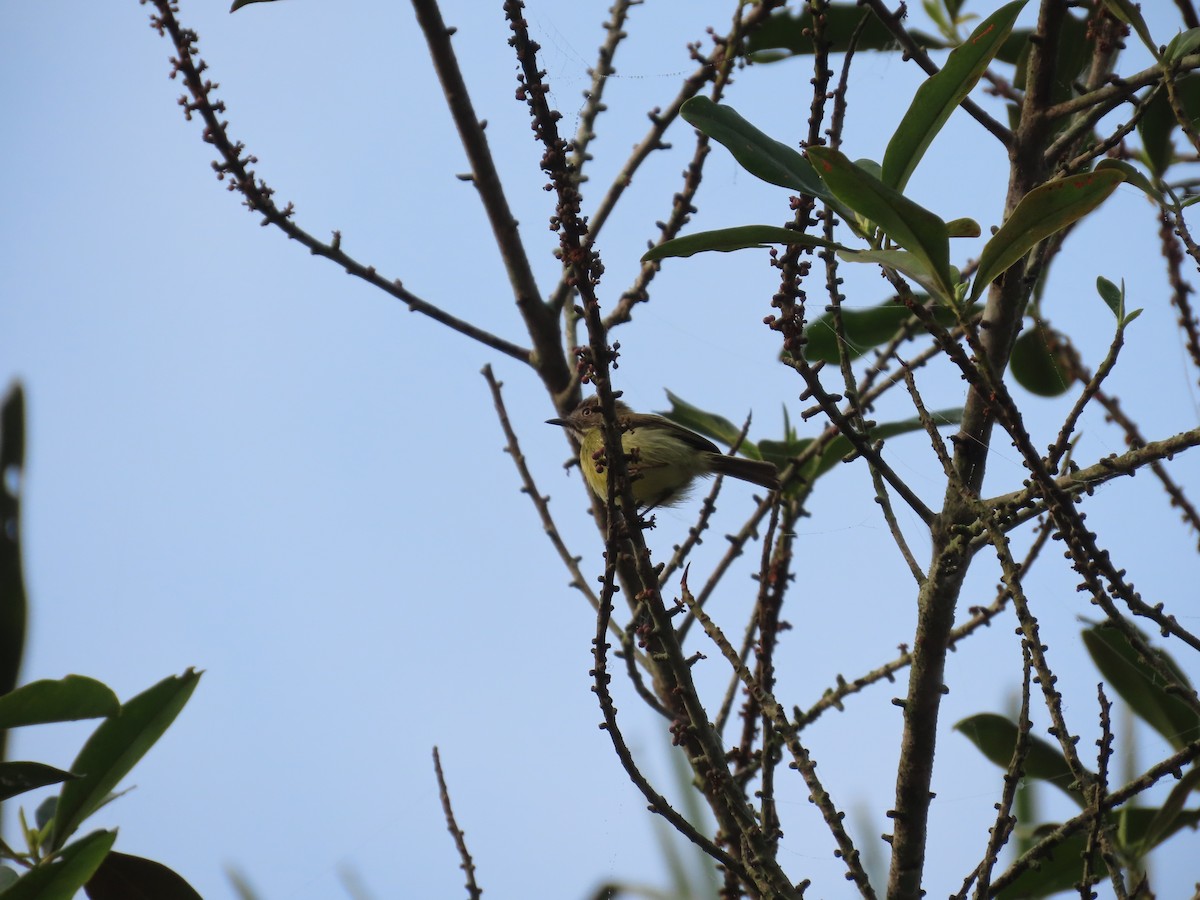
(540, 501)
(460, 839)
(258, 198)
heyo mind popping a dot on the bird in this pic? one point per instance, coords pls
(663, 458)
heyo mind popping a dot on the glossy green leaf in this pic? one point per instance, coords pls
(1045, 210)
(996, 737)
(913, 227)
(760, 155)
(1036, 364)
(18, 777)
(125, 877)
(792, 32)
(708, 424)
(942, 92)
(66, 700)
(61, 877)
(115, 747)
(1141, 687)
(1183, 44)
(725, 240)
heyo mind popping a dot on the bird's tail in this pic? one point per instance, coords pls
(756, 471)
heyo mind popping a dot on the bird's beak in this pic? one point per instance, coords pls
(562, 422)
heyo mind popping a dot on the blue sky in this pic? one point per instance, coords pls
(245, 461)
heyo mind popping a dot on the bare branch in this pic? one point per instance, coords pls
(258, 197)
(460, 841)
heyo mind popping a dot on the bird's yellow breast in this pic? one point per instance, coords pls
(660, 465)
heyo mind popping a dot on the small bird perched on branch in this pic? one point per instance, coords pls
(663, 458)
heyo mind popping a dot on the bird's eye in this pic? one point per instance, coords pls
(586, 411)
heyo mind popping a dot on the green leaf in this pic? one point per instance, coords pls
(740, 237)
(19, 777)
(44, 814)
(66, 700)
(784, 30)
(708, 424)
(61, 877)
(1059, 871)
(782, 452)
(1113, 296)
(124, 877)
(913, 227)
(762, 156)
(1037, 365)
(1128, 13)
(996, 738)
(115, 747)
(13, 603)
(1141, 687)
(1073, 53)
(963, 228)
(1133, 176)
(1158, 122)
(1171, 816)
(1181, 45)
(866, 328)
(907, 264)
(942, 92)
(1045, 210)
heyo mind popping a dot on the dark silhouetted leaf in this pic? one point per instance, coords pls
(13, 608)
(19, 777)
(786, 31)
(124, 877)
